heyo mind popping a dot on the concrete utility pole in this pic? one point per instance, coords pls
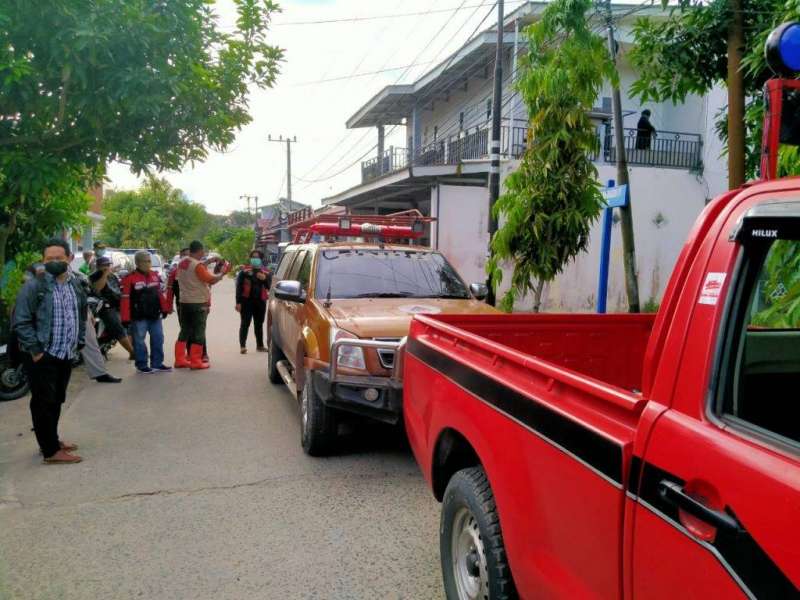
(248, 199)
(289, 142)
(494, 142)
(628, 244)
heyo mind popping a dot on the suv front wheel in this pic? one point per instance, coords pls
(318, 422)
(275, 356)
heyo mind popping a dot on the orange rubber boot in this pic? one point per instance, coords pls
(196, 355)
(181, 360)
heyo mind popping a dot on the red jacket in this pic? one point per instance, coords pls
(142, 297)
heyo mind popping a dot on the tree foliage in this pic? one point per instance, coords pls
(779, 292)
(237, 248)
(687, 54)
(551, 201)
(154, 216)
(152, 83)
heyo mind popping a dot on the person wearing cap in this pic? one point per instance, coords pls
(105, 285)
(644, 131)
(99, 250)
(143, 307)
(195, 281)
(86, 267)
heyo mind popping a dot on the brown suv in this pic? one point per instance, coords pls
(338, 314)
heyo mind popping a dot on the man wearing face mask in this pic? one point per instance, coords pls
(49, 321)
(252, 290)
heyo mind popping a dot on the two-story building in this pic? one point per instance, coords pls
(442, 169)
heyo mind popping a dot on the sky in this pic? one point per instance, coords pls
(315, 112)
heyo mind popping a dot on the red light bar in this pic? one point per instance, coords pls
(366, 229)
(408, 224)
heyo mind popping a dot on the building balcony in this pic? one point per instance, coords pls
(667, 149)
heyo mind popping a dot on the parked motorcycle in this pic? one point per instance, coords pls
(13, 378)
(104, 340)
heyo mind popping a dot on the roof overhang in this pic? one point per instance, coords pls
(395, 102)
(409, 181)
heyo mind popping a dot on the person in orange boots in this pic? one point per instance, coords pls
(195, 281)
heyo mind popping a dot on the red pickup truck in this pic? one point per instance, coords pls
(626, 456)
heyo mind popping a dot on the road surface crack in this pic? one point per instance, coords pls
(215, 488)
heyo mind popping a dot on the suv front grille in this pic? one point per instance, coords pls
(386, 357)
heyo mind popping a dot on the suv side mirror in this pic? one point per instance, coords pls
(479, 290)
(289, 290)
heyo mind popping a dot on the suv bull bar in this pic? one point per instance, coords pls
(352, 393)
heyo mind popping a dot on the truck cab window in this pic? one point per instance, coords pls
(304, 272)
(286, 262)
(764, 356)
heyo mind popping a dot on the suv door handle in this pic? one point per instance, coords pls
(674, 494)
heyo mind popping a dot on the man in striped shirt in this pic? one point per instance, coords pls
(50, 320)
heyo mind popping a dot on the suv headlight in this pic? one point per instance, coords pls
(351, 357)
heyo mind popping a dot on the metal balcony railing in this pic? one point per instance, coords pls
(671, 149)
(393, 159)
(472, 144)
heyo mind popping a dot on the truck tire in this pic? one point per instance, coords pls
(275, 356)
(318, 422)
(474, 562)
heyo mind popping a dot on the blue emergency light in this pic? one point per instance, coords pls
(783, 49)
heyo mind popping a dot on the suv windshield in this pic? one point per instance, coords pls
(375, 273)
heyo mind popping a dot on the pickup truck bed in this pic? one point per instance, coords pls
(491, 366)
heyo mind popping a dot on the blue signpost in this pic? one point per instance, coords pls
(615, 197)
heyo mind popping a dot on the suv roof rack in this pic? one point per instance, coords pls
(408, 224)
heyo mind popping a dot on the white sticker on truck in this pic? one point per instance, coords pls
(712, 288)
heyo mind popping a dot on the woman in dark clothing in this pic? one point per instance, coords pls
(252, 290)
(644, 131)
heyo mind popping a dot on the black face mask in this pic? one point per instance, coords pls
(56, 268)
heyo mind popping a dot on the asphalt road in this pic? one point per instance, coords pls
(194, 486)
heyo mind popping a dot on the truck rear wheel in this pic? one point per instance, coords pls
(318, 426)
(275, 356)
(474, 562)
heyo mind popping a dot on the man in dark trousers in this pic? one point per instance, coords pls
(105, 285)
(252, 290)
(143, 306)
(644, 131)
(195, 281)
(50, 320)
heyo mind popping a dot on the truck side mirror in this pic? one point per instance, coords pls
(289, 290)
(479, 290)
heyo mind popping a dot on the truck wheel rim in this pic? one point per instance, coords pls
(304, 409)
(469, 558)
(10, 378)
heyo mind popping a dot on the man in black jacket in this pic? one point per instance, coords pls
(49, 320)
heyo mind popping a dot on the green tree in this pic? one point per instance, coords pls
(154, 84)
(551, 201)
(688, 53)
(154, 216)
(238, 247)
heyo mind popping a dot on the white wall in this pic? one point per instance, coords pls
(665, 203)
(463, 228)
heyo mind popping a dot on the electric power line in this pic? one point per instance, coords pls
(379, 17)
(356, 75)
(323, 176)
